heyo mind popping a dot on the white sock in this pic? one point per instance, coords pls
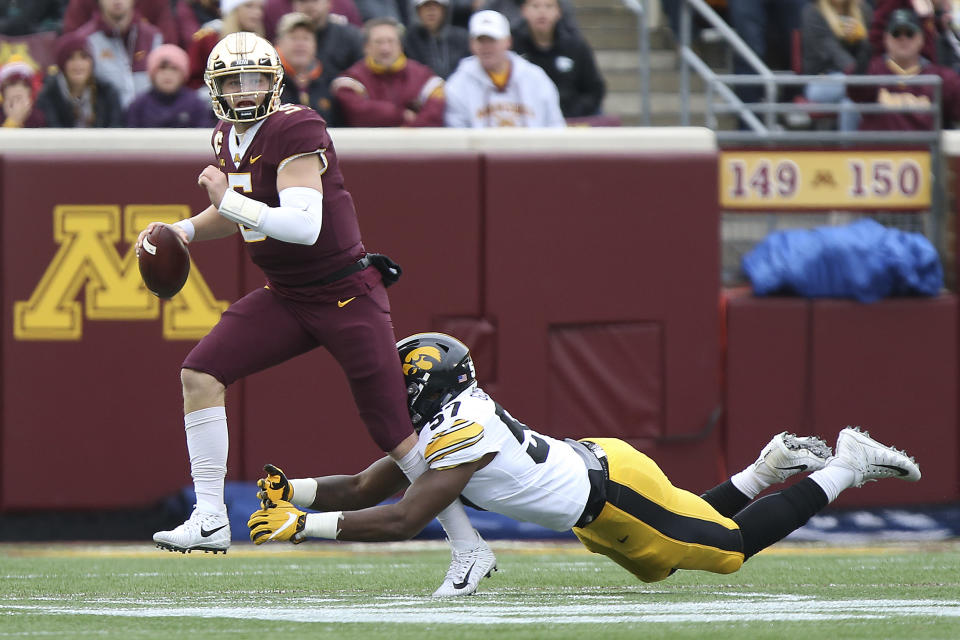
(304, 491)
(207, 444)
(453, 519)
(749, 482)
(833, 479)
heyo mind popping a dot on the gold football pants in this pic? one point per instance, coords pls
(650, 528)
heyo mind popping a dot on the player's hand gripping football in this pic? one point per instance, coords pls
(274, 488)
(280, 521)
(143, 234)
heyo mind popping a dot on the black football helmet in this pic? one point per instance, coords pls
(436, 367)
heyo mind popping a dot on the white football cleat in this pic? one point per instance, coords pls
(871, 460)
(787, 455)
(466, 570)
(203, 531)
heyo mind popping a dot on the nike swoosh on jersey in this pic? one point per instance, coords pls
(343, 303)
(466, 578)
(290, 518)
(207, 534)
(255, 158)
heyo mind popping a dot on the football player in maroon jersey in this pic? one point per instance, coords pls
(277, 177)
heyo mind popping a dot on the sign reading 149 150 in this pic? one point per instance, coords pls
(792, 180)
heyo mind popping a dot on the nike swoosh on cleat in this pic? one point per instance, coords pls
(206, 534)
(466, 578)
(900, 470)
(799, 467)
(623, 539)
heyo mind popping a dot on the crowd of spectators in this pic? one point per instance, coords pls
(359, 63)
(434, 62)
(835, 38)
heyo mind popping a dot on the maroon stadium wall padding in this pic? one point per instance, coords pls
(587, 286)
(96, 420)
(602, 274)
(767, 376)
(816, 367)
(892, 368)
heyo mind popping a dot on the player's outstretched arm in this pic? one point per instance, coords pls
(430, 494)
(368, 488)
(427, 496)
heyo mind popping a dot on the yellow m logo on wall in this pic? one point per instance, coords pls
(112, 288)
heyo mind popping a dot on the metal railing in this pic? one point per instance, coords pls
(760, 120)
(639, 8)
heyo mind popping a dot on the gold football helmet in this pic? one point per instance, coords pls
(245, 78)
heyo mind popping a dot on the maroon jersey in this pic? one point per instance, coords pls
(895, 95)
(251, 163)
(387, 92)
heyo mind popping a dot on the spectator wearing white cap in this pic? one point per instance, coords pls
(433, 41)
(497, 88)
(238, 15)
(168, 103)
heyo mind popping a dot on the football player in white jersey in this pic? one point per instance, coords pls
(614, 498)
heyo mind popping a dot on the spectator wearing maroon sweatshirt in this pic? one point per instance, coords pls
(932, 16)
(156, 12)
(385, 89)
(903, 41)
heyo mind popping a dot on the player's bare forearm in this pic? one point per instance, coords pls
(210, 225)
(430, 494)
(368, 488)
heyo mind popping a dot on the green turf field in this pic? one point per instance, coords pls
(338, 591)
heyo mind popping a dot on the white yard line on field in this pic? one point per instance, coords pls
(480, 611)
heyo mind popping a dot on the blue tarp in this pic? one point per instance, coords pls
(864, 261)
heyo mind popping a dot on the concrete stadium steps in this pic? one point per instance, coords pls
(611, 29)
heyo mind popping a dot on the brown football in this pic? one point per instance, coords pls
(164, 262)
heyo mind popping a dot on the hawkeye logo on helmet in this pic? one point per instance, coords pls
(421, 358)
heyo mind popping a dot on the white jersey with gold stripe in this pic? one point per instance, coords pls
(533, 478)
